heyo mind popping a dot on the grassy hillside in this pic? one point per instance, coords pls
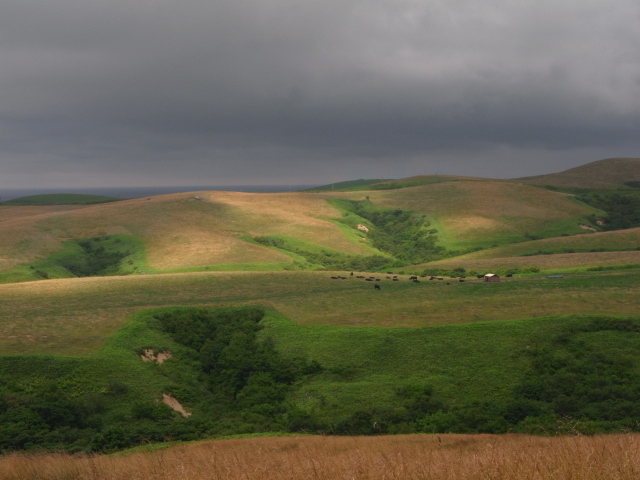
(61, 199)
(600, 174)
(468, 378)
(471, 214)
(531, 265)
(181, 231)
(620, 240)
(74, 316)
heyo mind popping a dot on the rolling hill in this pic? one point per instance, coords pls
(250, 351)
(605, 173)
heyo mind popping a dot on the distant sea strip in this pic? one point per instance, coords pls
(137, 192)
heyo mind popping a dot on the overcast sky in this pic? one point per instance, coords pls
(215, 92)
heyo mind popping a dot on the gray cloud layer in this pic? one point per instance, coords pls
(277, 91)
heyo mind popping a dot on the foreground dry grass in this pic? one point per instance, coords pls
(514, 457)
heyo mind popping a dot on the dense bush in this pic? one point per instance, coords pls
(623, 209)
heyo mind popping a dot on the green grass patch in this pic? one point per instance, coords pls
(97, 256)
(240, 375)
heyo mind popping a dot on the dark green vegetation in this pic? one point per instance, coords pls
(622, 208)
(407, 236)
(87, 257)
(621, 205)
(238, 371)
(61, 199)
(382, 184)
(234, 381)
(308, 255)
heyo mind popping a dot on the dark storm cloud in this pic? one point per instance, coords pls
(157, 91)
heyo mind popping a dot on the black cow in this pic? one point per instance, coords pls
(376, 286)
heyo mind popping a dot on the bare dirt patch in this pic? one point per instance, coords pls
(150, 356)
(174, 404)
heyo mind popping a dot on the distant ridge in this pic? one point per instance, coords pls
(599, 174)
(61, 199)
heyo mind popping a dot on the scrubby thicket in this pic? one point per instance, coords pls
(235, 382)
(99, 256)
(246, 379)
(88, 257)
(622, 209)
(325, 258)
(402, 234)
(583, 378)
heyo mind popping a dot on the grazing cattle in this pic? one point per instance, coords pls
(416, 281)
(461, 280)
(334, 278)
(448, 283)
(479, 276)
(432, 278)
(413, 277)
(395, 276)
(369, 279)
(439, 278)
(376, 286)
(377, 279)
(360, 276)
(388, 277)
(352, 274)
(389, 273)
(509, 274)
(395, 279)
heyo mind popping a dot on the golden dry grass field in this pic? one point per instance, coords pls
(196, 229)
(177, 230)
(401, 457)
(74, 316)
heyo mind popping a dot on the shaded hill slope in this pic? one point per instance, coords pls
(600, 174)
